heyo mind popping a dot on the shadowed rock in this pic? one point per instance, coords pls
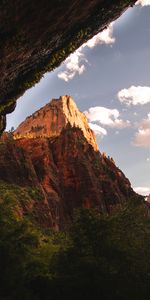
(36, 36)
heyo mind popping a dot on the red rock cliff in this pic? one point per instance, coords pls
(55, 152)
(52, 118)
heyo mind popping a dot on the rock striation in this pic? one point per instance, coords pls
(52, 165)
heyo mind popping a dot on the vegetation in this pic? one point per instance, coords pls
(99, 257)
(18, 196)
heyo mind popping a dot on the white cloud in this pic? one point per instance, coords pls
(142, 137)
(135, 95)
(143, 2)
(104, 37)
(142, 190)
(106, 117)
(98, 129)
(116, 132)
(75, 63)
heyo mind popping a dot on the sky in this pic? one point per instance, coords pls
(109, 79)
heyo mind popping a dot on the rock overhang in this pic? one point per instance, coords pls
(36, 36)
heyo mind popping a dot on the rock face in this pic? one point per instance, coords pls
(36, 36)
(52, 118)
(59, 167)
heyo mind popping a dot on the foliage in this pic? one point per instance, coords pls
(99, 257)
(109, 257)
(18, 195)
(25, 252)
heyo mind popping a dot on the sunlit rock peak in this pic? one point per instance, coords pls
(50, 120)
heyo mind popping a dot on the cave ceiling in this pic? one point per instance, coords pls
(37, 36)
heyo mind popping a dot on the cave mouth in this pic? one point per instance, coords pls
(107, 77)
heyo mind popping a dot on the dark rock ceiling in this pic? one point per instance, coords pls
(36, 36)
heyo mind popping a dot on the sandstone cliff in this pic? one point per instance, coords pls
(51, 165)
(52, 118)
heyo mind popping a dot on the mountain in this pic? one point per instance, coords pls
(50, 165)
(52, 118)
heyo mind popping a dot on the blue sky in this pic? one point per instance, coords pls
(109, 79)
